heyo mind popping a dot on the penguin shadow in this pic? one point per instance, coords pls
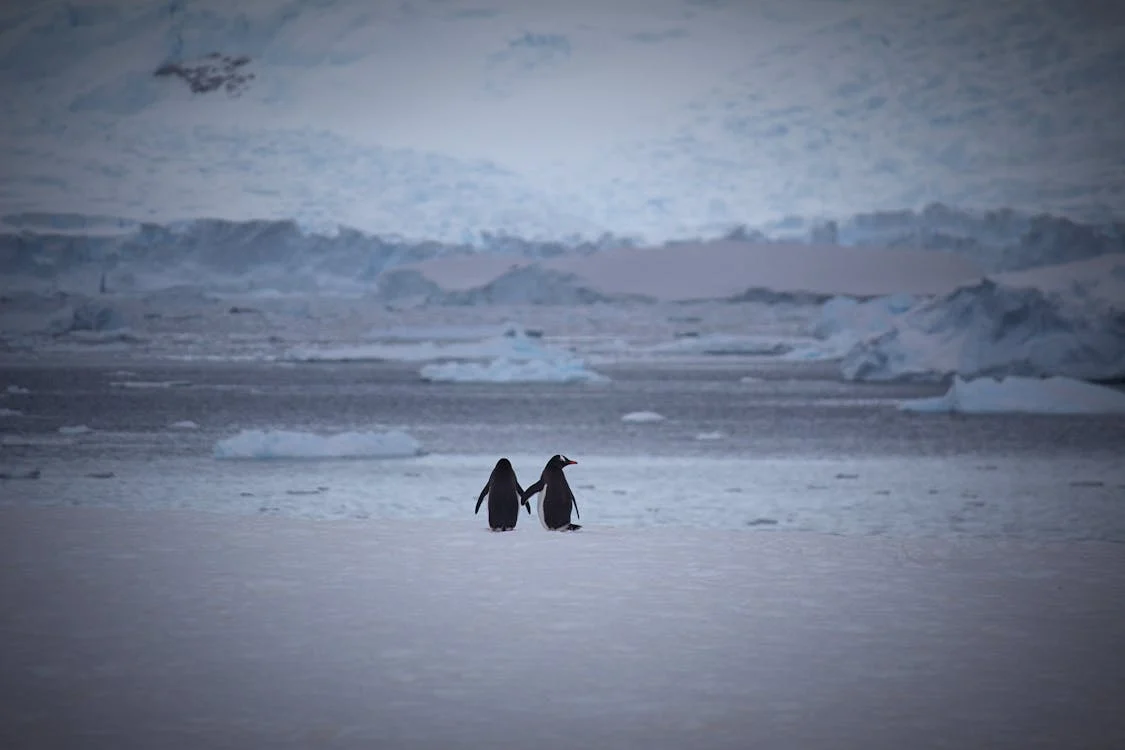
(555, 500)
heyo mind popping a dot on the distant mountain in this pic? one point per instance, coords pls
(659, 119)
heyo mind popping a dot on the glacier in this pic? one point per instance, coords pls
(998, 105)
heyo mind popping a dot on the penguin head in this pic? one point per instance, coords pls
(503, 465)
(559, 461)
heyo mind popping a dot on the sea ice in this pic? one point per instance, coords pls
(1056, 395)
(409, 634)
(505, 370)
(5, 412)
(291, 444)
(80, 429)
(642, 417)
(513, 344)
(184, 424)
(16, 390)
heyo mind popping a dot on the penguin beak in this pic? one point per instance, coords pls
(570, 463)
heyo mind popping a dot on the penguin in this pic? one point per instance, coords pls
(555, 496)
(504, 497)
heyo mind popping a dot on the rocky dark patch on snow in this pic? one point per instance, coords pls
(211, 73)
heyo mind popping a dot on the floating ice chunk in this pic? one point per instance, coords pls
(16, 390)
(150, 383)
(710, 436)
(290, 444)
(184, 424)
(1057, 395)
(10, 412)
(80, 429)
(640, 417)
(505, 370)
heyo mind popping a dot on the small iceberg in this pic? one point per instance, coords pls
(80, 429)
(289, 444)
(16, 390)
(184, 424)
(504, 370)
(641, 417)
(1055, 395)
(10, 412)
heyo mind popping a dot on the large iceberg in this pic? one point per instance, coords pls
(1057, 395)
(290, 444)
(1057, 320)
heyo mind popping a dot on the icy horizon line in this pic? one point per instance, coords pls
(784, 227)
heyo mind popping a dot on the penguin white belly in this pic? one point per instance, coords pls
(539, 508)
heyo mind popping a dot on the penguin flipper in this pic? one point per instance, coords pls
(531, 491)
(575, 504)
(519, 494)
(482, 494)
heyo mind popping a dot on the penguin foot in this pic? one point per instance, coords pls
(571, 527)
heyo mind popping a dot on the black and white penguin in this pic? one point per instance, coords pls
(555, 496)
(504, 497)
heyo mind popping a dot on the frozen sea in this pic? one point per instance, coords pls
(785, 560)
(745, 443)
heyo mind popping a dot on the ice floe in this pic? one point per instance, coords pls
(1055, 395)
(642, 417)
(291, 444)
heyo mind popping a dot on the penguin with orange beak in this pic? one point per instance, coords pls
(555, 496)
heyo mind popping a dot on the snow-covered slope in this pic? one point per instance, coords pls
(1057, 320)
(442, 120)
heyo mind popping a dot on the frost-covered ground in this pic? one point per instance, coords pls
(182, 630)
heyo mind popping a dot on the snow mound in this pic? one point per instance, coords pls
(1059, 320)
(505, 370)
(641, 417)
(718, 344)
(184, 424)
(1056, 395)
(290, 444)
